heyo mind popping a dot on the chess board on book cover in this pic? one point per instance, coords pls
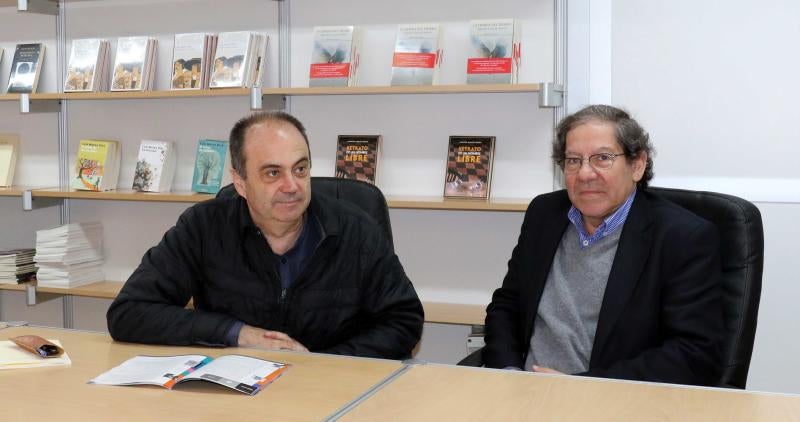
(469, 167)
(357, 157)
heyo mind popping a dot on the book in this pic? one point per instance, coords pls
(69, 255)
(86, 65)
(190, 62)
(17, 266)
(211, 166)
(469, 167)
(155, 166)
(96, 165)
(417, 54)
(26, 68)
(335, 56)
(238, 59)
(9, 149)
(134, 64)
(15, 357)
(244, 374)
(495, 52)
(357, 157)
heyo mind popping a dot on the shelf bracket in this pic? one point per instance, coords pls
(38, 106)
(32, 298)
(44, 7)
(551, 95)
(29, 203)
(258, 101)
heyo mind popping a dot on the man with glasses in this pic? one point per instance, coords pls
(608, 279)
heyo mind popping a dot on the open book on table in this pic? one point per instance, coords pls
(241, 373)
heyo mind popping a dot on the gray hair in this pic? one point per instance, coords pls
(630, 135)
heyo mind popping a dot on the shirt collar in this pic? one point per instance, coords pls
(610, 224)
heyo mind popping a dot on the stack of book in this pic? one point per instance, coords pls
(69, 255)
(87, 70)
(191, 60)
(135, 64)
(17, 266)
(417, 54)
(239, 60)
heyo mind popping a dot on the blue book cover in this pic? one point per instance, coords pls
(210, 166)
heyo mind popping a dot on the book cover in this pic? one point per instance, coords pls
(129, 64)
(26, 68)
(83, 60)
(469, 167)
(332, 56)
(94, 162)
(417, 55)
(231, 58)
(154, 166)
(210, 166)
(357, 157)
(187, 61)
(9, 147)
(244, 374)
(495, 52)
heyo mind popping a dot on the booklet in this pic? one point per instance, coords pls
(13, 357)
(241, 373)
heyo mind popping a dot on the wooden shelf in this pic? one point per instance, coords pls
(440, 203)
(436, 312)
(11, 191)
(296, 91)
(123, 195)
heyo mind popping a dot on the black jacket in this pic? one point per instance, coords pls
(661, 316)
(353, 297)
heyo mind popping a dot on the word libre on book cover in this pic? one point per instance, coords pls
(244, 374)
(357, 157)
(469, 167)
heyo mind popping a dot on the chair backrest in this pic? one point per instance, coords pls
(742, 254)
(365, 196)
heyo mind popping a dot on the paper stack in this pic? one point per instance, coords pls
(69, 255)
(17, 266)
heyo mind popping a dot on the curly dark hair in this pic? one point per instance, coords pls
(240, 128)
(631, 136)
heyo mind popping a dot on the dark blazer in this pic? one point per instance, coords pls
(661, 316)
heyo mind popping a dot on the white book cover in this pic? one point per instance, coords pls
(129, 63)
(84, 58)
(230, 59)
(9, 145)
(154, 166)
(187, 61)
(494, 51)
(417, 54)
(332, 56)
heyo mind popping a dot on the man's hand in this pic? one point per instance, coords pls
(265, 339)
(542, 369)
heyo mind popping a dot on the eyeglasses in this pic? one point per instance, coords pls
(602, 161)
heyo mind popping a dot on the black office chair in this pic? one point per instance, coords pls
(742, 255)
(365, 196)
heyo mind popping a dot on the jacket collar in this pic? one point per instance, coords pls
(319, 207)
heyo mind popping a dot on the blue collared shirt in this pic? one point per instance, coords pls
(611, 224)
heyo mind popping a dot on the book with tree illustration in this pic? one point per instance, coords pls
(211, 166)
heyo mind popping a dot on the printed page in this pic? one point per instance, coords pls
(241, 373)
(158, 370)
